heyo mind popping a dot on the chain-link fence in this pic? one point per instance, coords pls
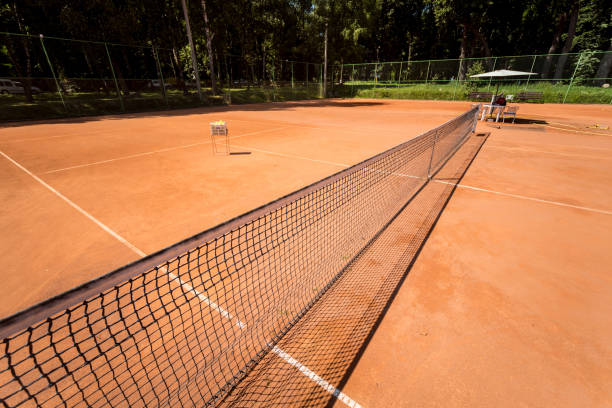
(43, 77)
(561, 78)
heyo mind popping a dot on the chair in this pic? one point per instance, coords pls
(510, 110)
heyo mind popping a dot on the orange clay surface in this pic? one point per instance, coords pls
(507, 305)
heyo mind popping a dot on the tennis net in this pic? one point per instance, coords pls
(184, 326)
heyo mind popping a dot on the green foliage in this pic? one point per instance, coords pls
(253, 39)
(552, 93)
(589, 62)
(474, 69)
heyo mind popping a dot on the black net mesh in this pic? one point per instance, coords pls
(183, 327)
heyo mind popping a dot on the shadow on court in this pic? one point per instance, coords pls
(255, 107)
(321, 351)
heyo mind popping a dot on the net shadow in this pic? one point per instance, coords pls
(184, 326)
(328, 342)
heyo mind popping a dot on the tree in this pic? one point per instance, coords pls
(569, 40)
(19, 50)
(209, 47)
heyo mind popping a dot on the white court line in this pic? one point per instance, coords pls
(564, 145)
(443, 182)
(291, 156)
(206, 300)
(547, 152)
(34, 139)
(124, 157)
(342, 397)
(76, 207)
(526, 197)
(577, 131)
(159, 151)
(125, 242)
(314, 377)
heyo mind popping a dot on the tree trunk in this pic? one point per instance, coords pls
(178, 72)
(555, 45)
(325, 66)
(485, 45)
(462, 54)
(263, 67)
(27, 79)
(571, 32)
(209, 38)
(605, 66)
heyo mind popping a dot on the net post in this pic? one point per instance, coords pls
(159, 73)
(292, 86)
(531, 70)
(433, 148)
(573, 75)
(59, 89)
(306, 77)
(110, 62)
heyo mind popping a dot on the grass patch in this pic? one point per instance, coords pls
(552, 93)
(49, 105)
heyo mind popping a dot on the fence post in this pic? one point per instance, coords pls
(531, 70)
(433, 148)
(110, 62)
(427, 75)
(291, 74)
(457, 79)
(490, 78)
(376, 75)
(59, 89)
(161, 76)
(399, 77)
(321, 82)
(573, 75)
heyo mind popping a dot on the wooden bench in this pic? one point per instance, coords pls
(486, 96)
(529, 96)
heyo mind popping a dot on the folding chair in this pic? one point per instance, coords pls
(510, 110)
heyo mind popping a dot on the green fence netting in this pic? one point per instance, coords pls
(43, 77)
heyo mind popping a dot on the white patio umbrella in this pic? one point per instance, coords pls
(502, 73)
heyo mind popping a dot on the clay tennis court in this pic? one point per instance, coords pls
(507, 301)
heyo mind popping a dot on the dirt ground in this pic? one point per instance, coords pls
(508, 304)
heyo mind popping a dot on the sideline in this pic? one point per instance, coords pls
(307, 372)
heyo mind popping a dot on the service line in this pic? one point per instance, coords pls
(557, 203)
(159, 151)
